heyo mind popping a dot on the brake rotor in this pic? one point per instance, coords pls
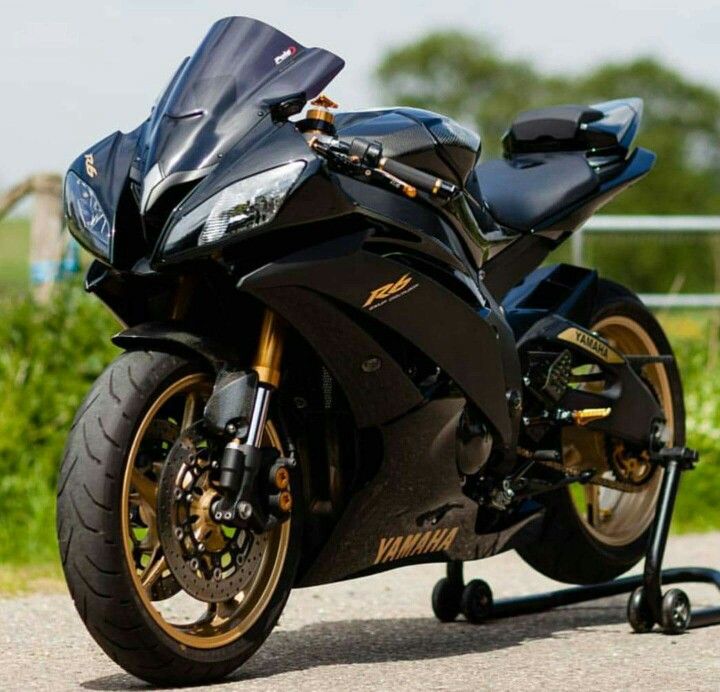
(210, 561)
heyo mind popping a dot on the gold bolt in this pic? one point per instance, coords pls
(282, 478)
(285, 501)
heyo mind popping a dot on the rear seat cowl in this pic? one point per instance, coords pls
(560, 128)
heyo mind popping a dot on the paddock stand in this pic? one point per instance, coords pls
(647, 605)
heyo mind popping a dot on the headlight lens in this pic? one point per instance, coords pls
(86, 219)
(244, 205)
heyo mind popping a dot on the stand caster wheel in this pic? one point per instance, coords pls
(638, 612)
(675, 611)
(446, 596)
(477, 601)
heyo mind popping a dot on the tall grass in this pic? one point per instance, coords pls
(698, 504)
(49, 357)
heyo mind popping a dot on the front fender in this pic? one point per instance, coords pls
(170, 337)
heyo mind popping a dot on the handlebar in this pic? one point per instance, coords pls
(422, 181)
(369, 156)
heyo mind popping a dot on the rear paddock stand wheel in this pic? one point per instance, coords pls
(477, 601)
(675, 612)
(446, 597)
(451, 596)
(638, 612)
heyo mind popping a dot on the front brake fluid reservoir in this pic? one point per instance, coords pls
(319, 119)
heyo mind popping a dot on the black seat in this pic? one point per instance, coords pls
(523, 191)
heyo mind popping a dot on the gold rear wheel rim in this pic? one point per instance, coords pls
(222, 623)
(612, 517)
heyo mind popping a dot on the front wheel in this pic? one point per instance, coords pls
(593, 533)
(201, 620)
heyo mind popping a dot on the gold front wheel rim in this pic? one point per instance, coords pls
(222, 623)
(612, 517)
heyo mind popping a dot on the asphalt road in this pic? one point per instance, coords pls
(378, 633)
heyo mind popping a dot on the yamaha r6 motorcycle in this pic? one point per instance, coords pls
(341, 356)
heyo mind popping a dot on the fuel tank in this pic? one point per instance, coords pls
(422, 139)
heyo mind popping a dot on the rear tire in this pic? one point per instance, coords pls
(567, 549)
(92, 538)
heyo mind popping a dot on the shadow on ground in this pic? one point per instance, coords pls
(407, 639)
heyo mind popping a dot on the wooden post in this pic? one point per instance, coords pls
(46, 238)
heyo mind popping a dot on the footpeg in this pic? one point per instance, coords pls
(584, 416)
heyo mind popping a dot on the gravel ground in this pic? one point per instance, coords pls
(378, 633)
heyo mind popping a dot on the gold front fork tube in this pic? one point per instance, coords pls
(268, 356)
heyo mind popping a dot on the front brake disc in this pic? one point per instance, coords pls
(211, 562)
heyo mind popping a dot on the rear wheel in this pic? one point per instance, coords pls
(204, 617)
(593, 533)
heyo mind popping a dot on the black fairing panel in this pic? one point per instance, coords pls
(416, 494)
(105, 167)
(464, 342)
(560, 289)
(419, 138)
(313, 199)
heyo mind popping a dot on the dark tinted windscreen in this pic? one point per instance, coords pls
(217, 95)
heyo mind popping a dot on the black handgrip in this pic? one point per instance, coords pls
(422, 181)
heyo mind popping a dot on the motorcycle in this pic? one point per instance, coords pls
(343, 354)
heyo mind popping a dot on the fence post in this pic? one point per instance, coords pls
(46, 237)
(576, 247)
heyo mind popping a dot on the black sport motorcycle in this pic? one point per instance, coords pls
(342, 356)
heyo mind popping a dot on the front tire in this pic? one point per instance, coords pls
(120, 587)
(578, 545)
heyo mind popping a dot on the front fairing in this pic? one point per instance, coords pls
(217, 105)
(313, 196)
(221, 95)
(105, 168)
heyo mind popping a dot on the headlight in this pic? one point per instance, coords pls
(86, 219)
(244, 205)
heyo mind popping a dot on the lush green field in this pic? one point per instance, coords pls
(50, 356)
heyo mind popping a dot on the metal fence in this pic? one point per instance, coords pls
(615, 224)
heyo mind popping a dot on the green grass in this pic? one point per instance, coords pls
(50, 356)
(14, 252)
(693, 337)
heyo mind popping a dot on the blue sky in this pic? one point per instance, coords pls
(73, 71)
